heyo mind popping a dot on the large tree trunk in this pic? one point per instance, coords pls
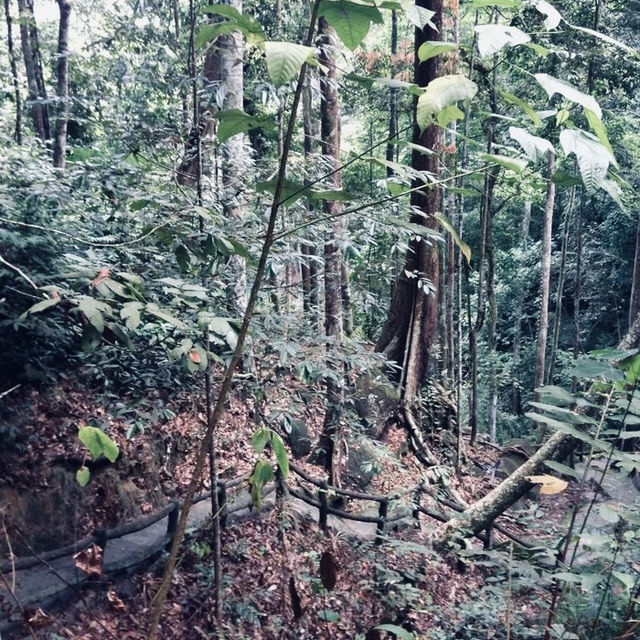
(410, 329)
(634, 303)
(234, 159)
(545, 278)
(14, 73)
(330, 134)
(60, 142)
(35, 97)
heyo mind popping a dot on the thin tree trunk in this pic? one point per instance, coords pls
(516, 392)
(17, 136)
(330, 134)
(347, 311)
(393, 99)
(557, 320)
(492, 412)
(37, 58)
(545, 277)
(62, 117)
(35, 99)
(234, 159)
(410, 329)
(634, 303)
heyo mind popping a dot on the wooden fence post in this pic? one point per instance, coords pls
(172, 522)
(382, 515)
(322, 495)
(222, 504)
(417, 499)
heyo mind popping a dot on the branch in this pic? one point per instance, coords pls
(19, 271)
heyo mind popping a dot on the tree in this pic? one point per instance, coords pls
(14, 73)
(60, 141)
(410, 330)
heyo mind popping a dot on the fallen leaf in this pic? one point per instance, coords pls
(38, 619)
(117, 604)
(550, 485)
(89, 560)
(103, 274)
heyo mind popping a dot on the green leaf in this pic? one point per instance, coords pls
(419, 17)
(262, 474)
(38, 307)
(350, 20)
(161, 314)
(281, 454)
(597, 126)
(332, 195)
(627, 579)
(130, 313)
(593, 157)
(251, 30)
(259, 439)
(513, 164)
(553, 85)
(285, 59)
(538, 48)
(431, 49)
(608, 39)
(505, 4)
(449, 114)
(562, 468)
(564, 179)
(83, 475)
(493, 37)
(608, 514)
(535, 148)
(556, 395)
(235, 121)
(524, 106)
(291, 191)
(590, 368)
(445, 224)
(397, 631)
(93, 310)
(136, 205)
(442, 92)
(209, 32)
(98, 443)
(328, 616)
(552, 15)
(195, 359)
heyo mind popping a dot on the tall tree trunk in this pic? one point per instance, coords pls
(393, 99)
(492, 411)
(516, 392)
(557, 319)
(634, 303)
(330, 134)
(410, 329)
(60, 142)
(234, 159)
(545, 277)
(14, 73)
(35, 98)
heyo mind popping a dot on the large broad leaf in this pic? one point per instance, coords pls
(525, 106)
(493, 37)
(262, 474)
(434, 48)
(442, 92)
(38, 307)
(419, 16)
(285, 59)
(553, 85)
(513, 164)
(593, 157)
(600, 130)
(251, 30)
(350, 20)
(608, 39)
(462, 245)
(98, 443)
(281, 454)
(552, 15)
(506, 4)
(533, 146)
(236, 121)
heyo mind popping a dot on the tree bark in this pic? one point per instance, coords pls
(17, 136)
(545, 278)
(410, 329)
(330, 134)
(634, 303)
(393, 99)
(481, 514)
(60, 141)
(517, 338)
(234, 159)
(35, 98)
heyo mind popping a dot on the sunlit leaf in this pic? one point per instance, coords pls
(285, 59)
(350, 20)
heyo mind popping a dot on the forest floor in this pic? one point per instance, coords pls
(274, 556)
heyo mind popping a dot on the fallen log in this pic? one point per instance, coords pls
(481, 515)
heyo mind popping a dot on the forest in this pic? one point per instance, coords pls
(320, 319)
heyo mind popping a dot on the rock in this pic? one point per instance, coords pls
(299, 439)
(362, 463)
(375, 403)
